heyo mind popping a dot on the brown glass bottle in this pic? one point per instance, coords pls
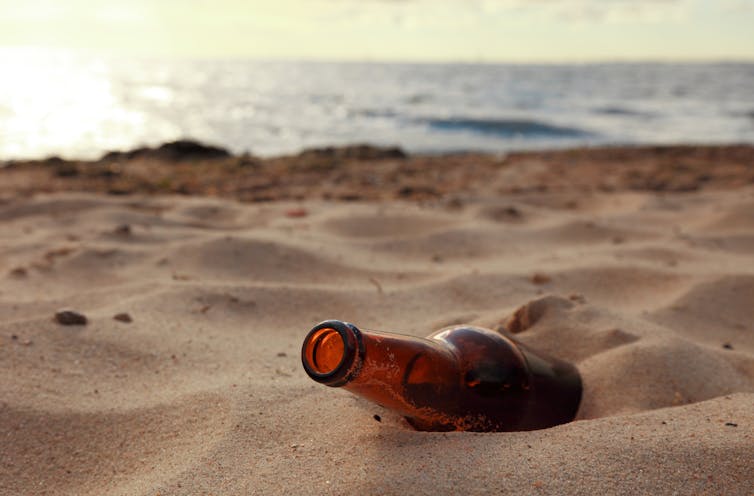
(459, 378)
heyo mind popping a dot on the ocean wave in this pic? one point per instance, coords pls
(746, 114)
(506, 127)
(622, 112)
(374, 113)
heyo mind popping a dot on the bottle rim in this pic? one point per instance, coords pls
(350, 362)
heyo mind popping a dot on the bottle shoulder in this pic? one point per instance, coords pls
(477, 342)
(488, 359)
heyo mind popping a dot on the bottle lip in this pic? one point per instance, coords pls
(350, 363)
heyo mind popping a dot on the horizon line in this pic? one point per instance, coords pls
(90, 52)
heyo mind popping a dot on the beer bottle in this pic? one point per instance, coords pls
(458, 378)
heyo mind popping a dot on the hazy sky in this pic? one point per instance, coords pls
(488, 30)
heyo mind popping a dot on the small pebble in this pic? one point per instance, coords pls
(19, 272)
(296, 213)
(512, 211)
(282, 354)
(730, 424)
(377, 418)
(123, 317)
(578, 298)
(540, 279)
(70, 317)
(728, 346)
(123, 230)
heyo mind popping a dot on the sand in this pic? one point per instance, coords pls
(650, 294)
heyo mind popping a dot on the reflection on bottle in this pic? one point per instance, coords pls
(460, 378)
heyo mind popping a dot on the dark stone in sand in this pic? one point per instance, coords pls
(123, 317)
(120, 190)
(356, 152)
(53, 160)
(172, 151)
(109, 171)
(70, 317)
(539, 278)
(19, 272)
(296, 212)
(512, 211)
(62, 168)
(123, 230)
(417, 191)
(188, 149)
(248, 160)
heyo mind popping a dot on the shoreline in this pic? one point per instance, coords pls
(365, 172)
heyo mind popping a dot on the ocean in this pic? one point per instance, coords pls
(77, 106)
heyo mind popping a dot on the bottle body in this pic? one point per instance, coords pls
(460, 378)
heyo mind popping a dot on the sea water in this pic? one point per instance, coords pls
(78, 106)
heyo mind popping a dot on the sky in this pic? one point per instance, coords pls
(393, 30)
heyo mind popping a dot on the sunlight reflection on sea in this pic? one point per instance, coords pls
(77, 106)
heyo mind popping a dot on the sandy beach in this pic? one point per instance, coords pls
(635, 264)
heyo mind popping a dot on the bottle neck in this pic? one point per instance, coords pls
(405, 373)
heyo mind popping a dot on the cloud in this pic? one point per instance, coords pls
(619, 10)
(566, 10)
(739, 6)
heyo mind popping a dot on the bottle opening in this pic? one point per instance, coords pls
(332, 352)
(324, 350)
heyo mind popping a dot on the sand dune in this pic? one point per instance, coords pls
(651, 295)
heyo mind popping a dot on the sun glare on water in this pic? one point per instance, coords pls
(55, 103)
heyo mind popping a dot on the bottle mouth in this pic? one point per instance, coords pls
(331, 353)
